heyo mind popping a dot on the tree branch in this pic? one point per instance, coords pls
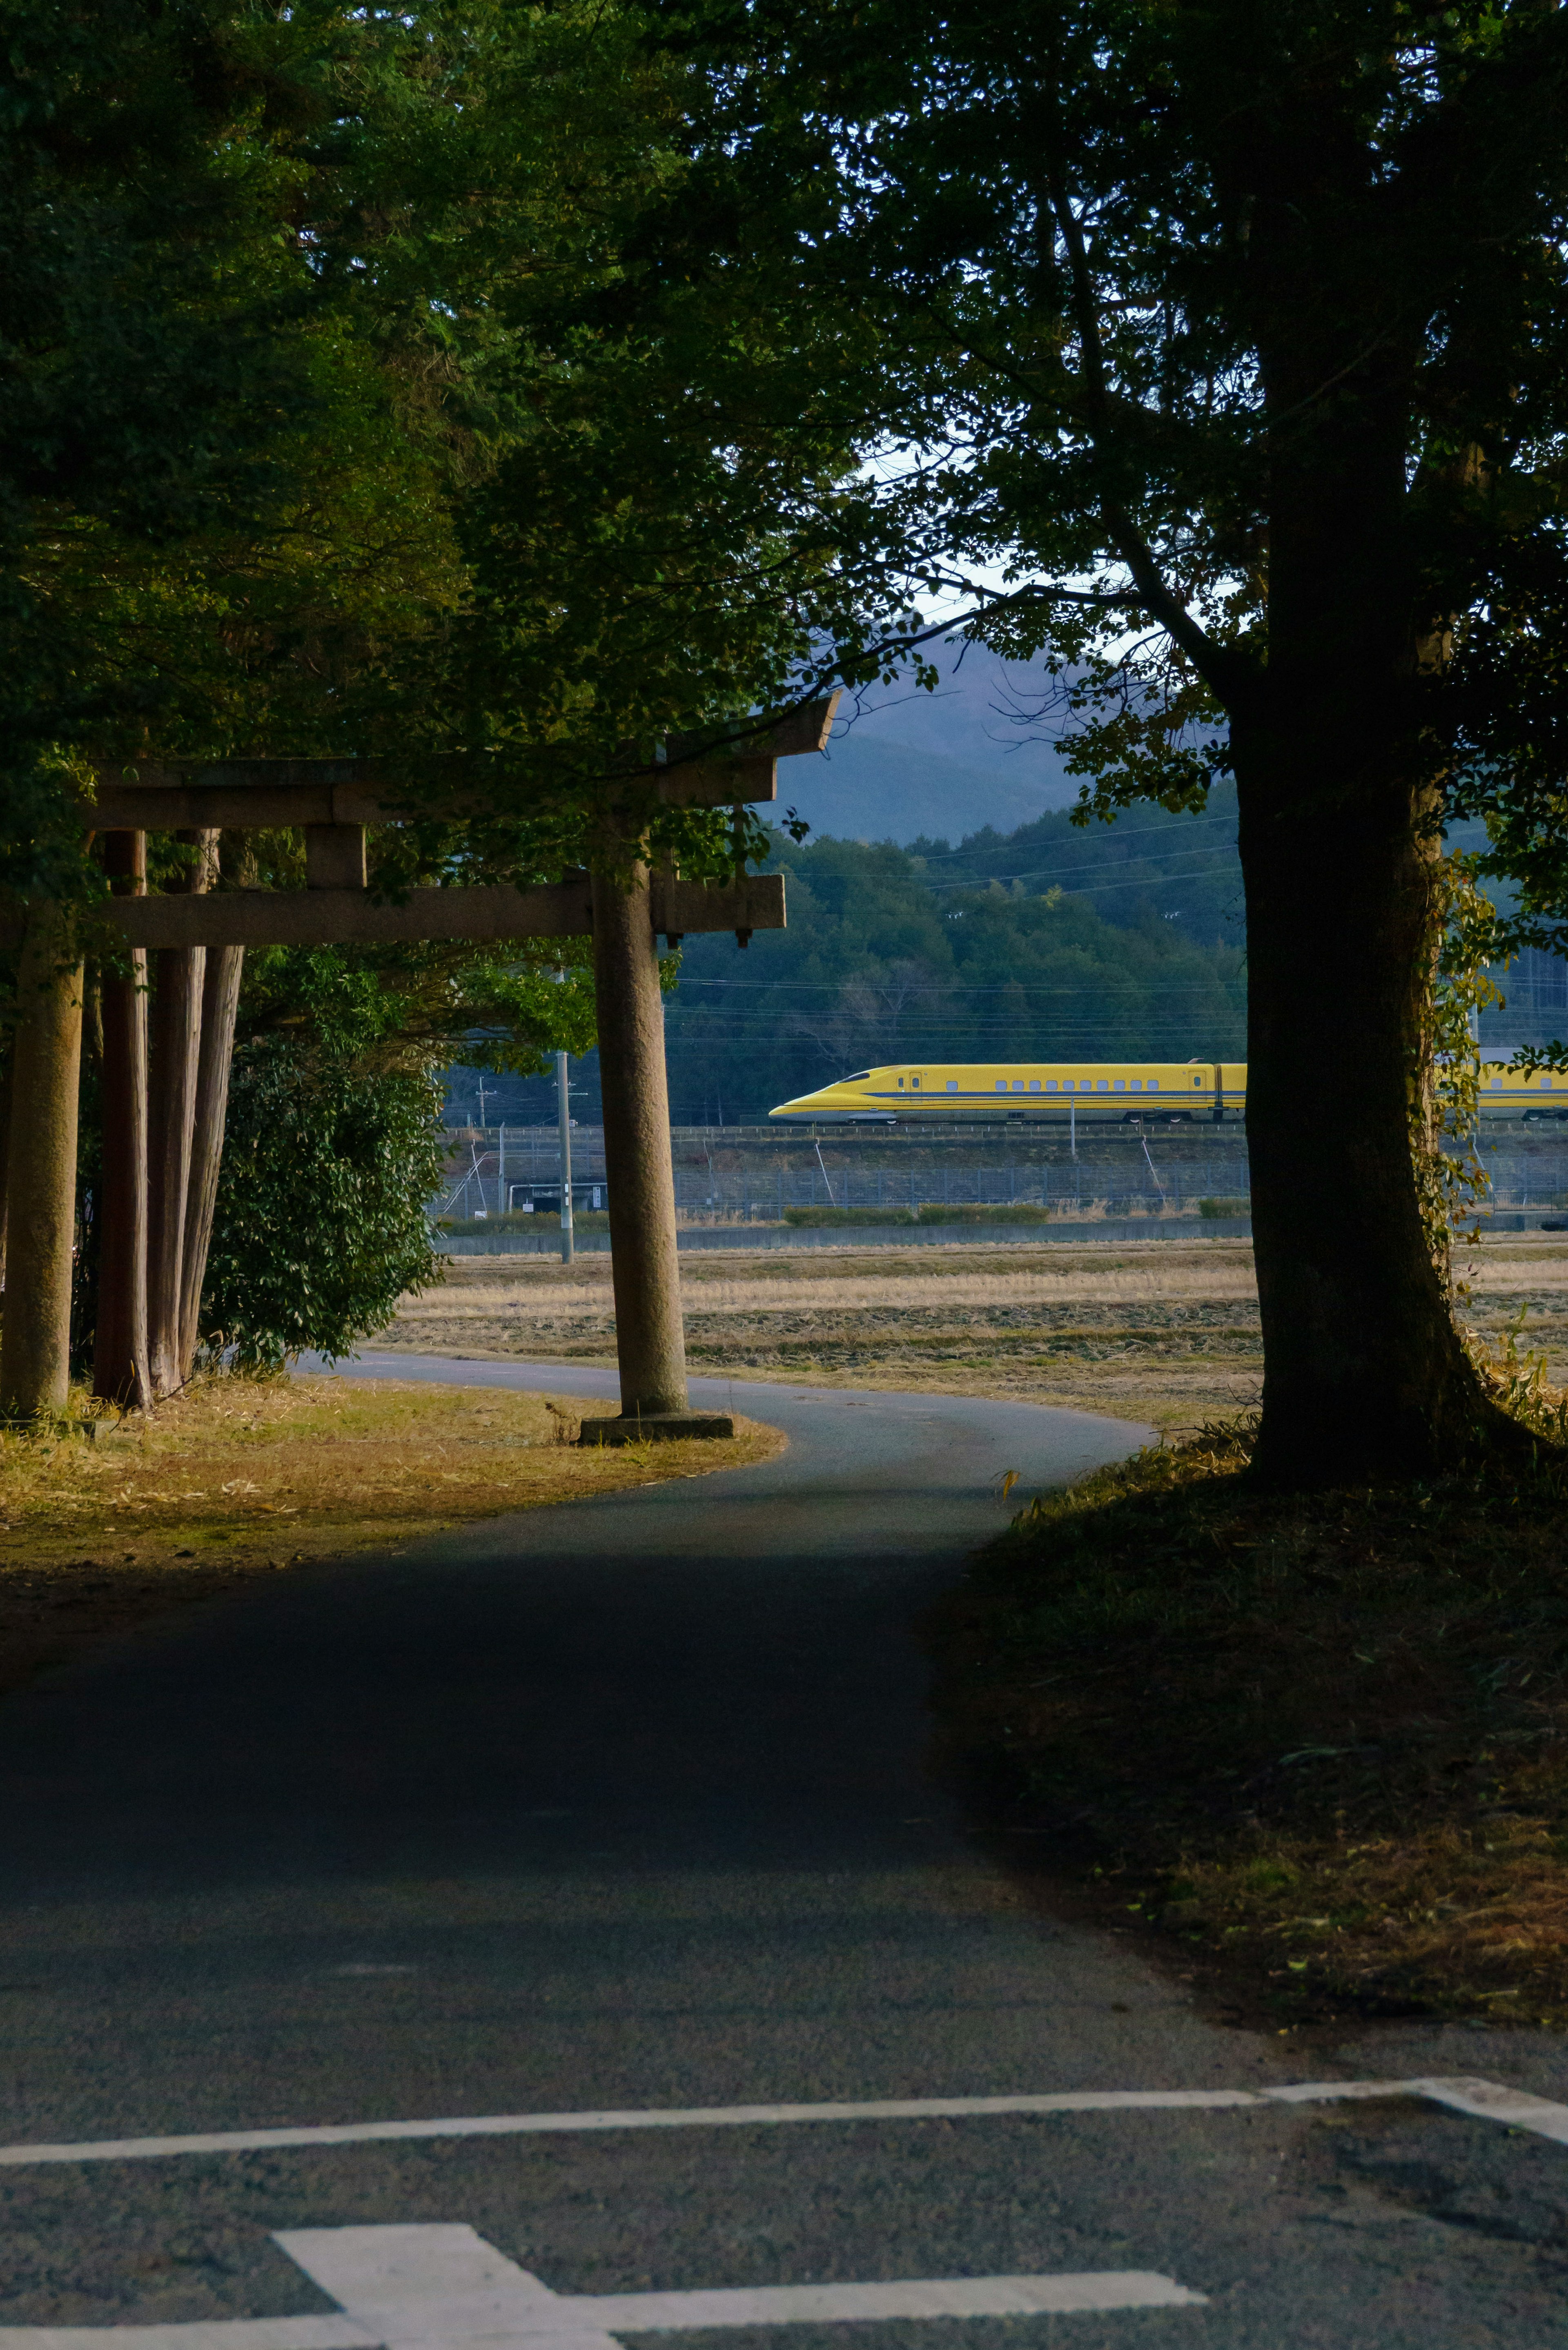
(1216, 666)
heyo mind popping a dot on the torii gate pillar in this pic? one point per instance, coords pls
(645, 1270)
(41, 1178)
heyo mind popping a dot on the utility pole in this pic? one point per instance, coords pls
(563, 1123)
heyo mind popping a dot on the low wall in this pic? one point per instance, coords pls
(754, 1237)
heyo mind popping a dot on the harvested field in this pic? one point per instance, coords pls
(1165, 1332)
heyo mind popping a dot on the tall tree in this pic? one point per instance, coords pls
(1232, 336)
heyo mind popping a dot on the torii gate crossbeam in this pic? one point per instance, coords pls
(333, 800)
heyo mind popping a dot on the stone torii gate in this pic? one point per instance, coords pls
(162, 1139)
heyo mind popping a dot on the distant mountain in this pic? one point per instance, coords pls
(869, 788)
(903, 762)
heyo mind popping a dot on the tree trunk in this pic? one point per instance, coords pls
(220, 1007)
(1365, 1372)
(7, 1063)
(120, 1366)
(176, 1049)
(645, 1269)
(35, 1347)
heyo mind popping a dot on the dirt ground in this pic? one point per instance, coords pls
(1160, 1331)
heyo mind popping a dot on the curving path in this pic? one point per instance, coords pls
(624, 1804)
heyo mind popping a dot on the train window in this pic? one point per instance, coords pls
(901, 1082)
(1002, 1084)
(1154, 1085)
(1033, 1084)
(1087, 1084)
(860, 1075)
(1102, 1085)
(952, 1084)
(1050, 1085)
(1018, 1084)
(1197, 1081)
(916, 1083)
(1497, 1085)
(1120, 1086)
(1136, 1085)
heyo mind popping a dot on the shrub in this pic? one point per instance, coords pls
(320, 1225)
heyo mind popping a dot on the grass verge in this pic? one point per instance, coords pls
(238, 1478)
(1318, 1742)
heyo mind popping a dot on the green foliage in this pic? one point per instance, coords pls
(1445, 1082)
(320, 1223)
(422, 1006)
(1112, 256)
(192, 440)
(1123, 869)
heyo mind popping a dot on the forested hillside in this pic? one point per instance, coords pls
(1183, 869)
(876, 965)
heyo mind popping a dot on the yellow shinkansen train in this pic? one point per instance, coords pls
(1162, 1093)
(1165, 1093)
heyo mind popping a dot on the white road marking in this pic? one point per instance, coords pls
(1487, 2100)
(211, 2333)
(444, 2288)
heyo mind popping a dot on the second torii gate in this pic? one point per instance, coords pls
(332, 802)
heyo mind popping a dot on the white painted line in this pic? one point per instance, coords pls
(430, 2283)
(881, 2109)
(445, 2284)
(208, 2334)
(813, 2304)
(443, 2288)
(1487, 2100)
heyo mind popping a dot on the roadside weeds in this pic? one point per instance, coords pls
(240, 1478)
(1317, 1744)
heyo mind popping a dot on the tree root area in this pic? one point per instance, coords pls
(1317, 1744)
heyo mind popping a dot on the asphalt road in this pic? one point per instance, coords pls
(624, 1804)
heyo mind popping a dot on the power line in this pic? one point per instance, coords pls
(925, 987)
(1050, 873)
(1134, 832)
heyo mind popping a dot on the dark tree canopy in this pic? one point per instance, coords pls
(1233, 337)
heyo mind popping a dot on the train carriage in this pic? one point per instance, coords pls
(1533, 1094)
(1154, 1092)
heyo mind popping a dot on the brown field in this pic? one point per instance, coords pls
(1164, 1332)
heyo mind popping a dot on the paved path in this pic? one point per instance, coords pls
(623, 1805)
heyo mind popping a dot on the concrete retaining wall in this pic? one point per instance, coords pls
(754, 1237)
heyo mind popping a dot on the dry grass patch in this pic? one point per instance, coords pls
(1322, 1741)
(237, 1478)
(941, 1291)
